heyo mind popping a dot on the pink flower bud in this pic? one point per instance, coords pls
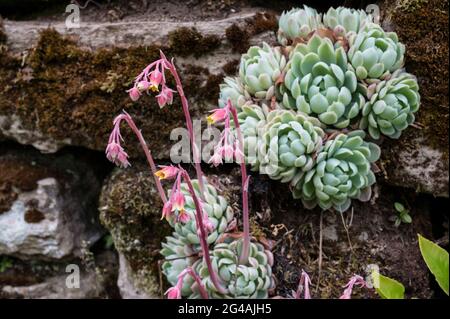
(155, 80)
(167, 210)
(116, 154)
(218, 115)
(209, 226)
(173, 293)
(134, 94)
(167, 172)
(143, 86)
(183, 216)
(216, 159)
(178, 201)
(165, 97)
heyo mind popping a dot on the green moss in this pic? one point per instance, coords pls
(186, 41)
(130, 208)
(238, 38)
(75, 93)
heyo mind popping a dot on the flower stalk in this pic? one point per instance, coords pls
(175, 292)
(116, 154)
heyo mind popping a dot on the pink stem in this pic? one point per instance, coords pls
(185, 105)
(203, 236)
(197, 279)
(148, 155)
(245, 180)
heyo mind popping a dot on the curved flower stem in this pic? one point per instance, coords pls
(202, 235)
(245, 180)
(197, 279)
(185, 105)
(148, 154)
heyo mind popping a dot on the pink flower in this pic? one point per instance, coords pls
(216, 159)
(143, 86)
(178, 201)
(355, 280)
(167, 210)
(173, 293)
(155, 79)
(116, 154)
(167, 172)
(218, 115)
(134, 93)
(165, 97)
(183, 216)
(228, 151)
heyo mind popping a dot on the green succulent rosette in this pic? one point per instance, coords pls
(374, 54)
(252, 119)
(178, 256)
(252, 280)
(342, 173)
(318, 82)
(391, 107)
(220, 214)
(346, 20)
(297, 23)
(259, 70)
(289, 144)
(233, 89)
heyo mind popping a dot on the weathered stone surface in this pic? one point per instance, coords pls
(130, 209)
(71, 86)
(46, 205)
(89, 277)
(127, 282)
(419, 159)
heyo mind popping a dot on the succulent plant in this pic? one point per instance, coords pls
(233, 89)
(178, 256)
(259, 70)
(391, 107)
(373, 53)
(288, 145)
(252, 119)
(346, 20)
(342, 172)
(297, 23)
(251, 280)
(318, 82)
(219, 212)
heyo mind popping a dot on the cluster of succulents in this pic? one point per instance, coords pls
(306, 105)
(181, 250)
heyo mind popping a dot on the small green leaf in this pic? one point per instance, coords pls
(397, 223)
(436, 259)
(399, 207)
(406, 218)
(386, 287)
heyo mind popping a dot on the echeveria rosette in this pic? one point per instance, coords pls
(318, 82)
(252, 280)
(178, 256)
(297, 23)
(374, 53)
(391, 108)
(289, 144)
(346, 20)
(233, 89)
(252, 119)
(220, 214)
(259, 70)
(342, 173)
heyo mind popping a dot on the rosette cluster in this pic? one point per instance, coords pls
(181, 249)
(300, 102)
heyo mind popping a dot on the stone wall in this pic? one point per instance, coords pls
(61, 202)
